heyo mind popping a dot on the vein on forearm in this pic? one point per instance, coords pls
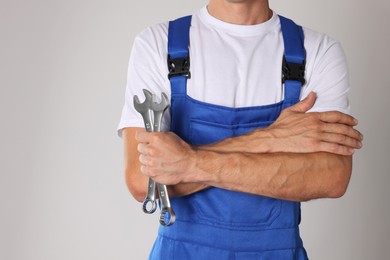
(289, 176)
(257, 141)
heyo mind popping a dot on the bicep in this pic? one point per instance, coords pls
(329, 79)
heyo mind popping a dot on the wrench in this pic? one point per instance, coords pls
(144, 110)
(167, 215)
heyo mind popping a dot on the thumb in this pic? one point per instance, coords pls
(305, 104)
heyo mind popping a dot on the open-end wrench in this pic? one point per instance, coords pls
(167, 216)
(145, 110)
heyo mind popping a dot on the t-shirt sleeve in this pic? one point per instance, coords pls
(329, 78)
(146, 70)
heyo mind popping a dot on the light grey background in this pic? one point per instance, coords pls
(62, 77)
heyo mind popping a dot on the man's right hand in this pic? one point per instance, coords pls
(299, 132)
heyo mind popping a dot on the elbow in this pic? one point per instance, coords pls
(338, 191)
(340, 177)
(135, 186)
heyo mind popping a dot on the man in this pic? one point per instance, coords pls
(243, 151)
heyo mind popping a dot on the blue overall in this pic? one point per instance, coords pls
(217, 223)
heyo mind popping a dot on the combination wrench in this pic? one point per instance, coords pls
(144, 110)
(167, 215)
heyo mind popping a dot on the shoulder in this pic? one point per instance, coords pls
(152, 39)
(157, 31)
(320, 45)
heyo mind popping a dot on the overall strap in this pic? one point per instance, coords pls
(179, 71)
(294, 61)
(178, 54)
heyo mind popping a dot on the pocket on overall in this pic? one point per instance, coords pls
(235, 210)
(225, 208)
(204, 132)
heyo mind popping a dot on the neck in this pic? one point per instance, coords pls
(241, 12)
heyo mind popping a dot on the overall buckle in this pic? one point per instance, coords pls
(293, 71)
(179, 67)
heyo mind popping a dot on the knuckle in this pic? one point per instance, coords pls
(152, 163)
(154, 138)
(336, 113)
(153, 152)
(317, 126)
(312, 116)
(342, 139)
(320, 125)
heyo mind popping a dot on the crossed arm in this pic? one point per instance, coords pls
(302, 156)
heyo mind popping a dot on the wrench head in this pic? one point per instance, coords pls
(144, 106)
(162, 105)
(167, 217)
(149, 206)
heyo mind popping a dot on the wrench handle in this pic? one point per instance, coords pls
(150, 198)
(147, 117)
(167, 216)
(157, 121)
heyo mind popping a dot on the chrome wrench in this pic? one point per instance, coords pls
(167, 215)
(144, 110)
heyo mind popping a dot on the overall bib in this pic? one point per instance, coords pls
(217, 223)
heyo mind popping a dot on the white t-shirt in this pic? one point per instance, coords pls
(235, 66)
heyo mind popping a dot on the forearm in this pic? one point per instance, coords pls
(297, 177)
(257, 141)
(138, 185)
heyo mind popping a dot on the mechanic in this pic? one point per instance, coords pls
(245, 141)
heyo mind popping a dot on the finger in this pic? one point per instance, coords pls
(337, 117)
(144, 170)
(336, 149)
(304, 105)
(342, 140)
(142, 149)
(143, 159)
(142, 136)
(342, 129)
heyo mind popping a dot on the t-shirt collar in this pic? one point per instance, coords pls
(241, 30)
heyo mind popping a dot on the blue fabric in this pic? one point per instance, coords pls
(217, 223)
(179, 37)
(294, 52)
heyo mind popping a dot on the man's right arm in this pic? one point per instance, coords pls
(136, 182)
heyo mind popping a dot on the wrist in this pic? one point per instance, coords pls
(202, 166)
(261, 141)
